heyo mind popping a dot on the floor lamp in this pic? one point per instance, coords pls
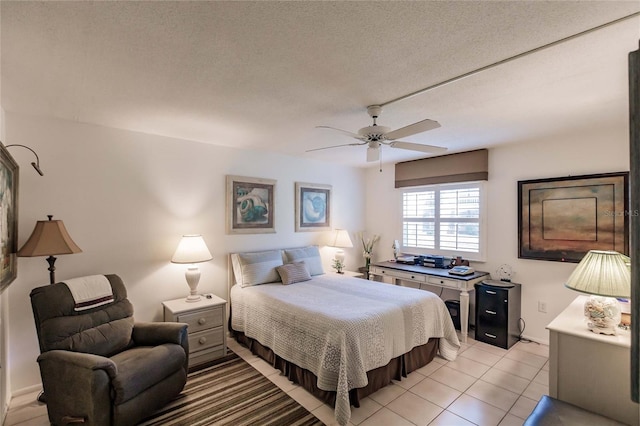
(49, 238)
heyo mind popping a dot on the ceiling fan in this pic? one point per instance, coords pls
(375, 136)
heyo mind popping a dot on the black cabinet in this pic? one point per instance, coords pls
(498, 313)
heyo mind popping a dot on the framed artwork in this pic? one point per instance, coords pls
(8, 218)
(313, 207)
(250, 205)
(561, 219)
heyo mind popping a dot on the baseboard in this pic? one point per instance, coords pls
(536, 340)
(25, 391)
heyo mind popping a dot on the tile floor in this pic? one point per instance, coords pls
(484, 386)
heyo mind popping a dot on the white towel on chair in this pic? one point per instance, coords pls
(90, 291)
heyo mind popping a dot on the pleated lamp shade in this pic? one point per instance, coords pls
(341, 239)
(603, 273)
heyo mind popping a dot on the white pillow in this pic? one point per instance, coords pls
(256, 268)
(311, 257)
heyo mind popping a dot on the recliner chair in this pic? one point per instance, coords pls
(98, 366)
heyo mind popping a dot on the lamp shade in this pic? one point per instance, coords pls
(341, 239)
(48, 238)
(603, 273)
(191, 249)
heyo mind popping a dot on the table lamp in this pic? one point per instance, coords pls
(191, 250)
(340, 240)
(604, 275)
(49, 238)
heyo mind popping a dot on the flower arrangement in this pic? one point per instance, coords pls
(367, 246)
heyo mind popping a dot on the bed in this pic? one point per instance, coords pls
(341, 338)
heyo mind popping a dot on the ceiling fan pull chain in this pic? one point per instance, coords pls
(380, 158)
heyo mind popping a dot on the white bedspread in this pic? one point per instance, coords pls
(339, 327)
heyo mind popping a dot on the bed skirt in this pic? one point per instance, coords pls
(378, 378)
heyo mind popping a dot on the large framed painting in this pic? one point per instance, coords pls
(313, 207)
(250, 205)
(8, 218)
(561, 219)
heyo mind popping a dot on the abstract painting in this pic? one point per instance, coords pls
(561, 219)
(313, 207)
(250, 205)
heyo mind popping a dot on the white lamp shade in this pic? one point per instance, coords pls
(191, 249)
(341, 239)
(604, 273)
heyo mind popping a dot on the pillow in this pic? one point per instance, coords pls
(293, 273)
(256, 268)
(311, 257)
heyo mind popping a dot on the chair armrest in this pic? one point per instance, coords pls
(157, 333)
(79, 360)
(77, 385)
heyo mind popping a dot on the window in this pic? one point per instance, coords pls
(444, 219)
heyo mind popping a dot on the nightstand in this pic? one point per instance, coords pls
(207, 339)
(352, 274)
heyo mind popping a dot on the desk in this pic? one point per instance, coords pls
(435, 277)
(590, 370)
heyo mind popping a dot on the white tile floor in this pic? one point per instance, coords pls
(485, 386)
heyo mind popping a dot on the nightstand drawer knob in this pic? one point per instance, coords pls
(202, 321)
(490, 312)
(490, 335)
(202, 340)
(490, 292)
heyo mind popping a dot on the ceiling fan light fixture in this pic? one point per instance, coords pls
(373, 136)
(373, 153)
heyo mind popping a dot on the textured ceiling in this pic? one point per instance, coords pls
(262, 75)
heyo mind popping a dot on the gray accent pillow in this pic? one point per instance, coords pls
(293, 273)
(311, 257)
(256, 268)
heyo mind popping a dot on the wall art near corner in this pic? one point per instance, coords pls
(561, 219)
(250, 205)
(8, 218)
(313, 207)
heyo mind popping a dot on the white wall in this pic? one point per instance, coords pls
(586, 152)
(126, 198)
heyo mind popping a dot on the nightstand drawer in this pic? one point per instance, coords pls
(203, 319)
(206, 339)
(206, 355)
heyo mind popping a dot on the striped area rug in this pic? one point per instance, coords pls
(231, 392)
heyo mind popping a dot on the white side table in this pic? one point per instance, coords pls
(352, 274)
(590, 370)
(207, 339)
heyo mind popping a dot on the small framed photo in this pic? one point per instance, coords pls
(313, 207)
(561, 219)
(250, 205)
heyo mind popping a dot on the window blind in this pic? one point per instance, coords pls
(459, 167)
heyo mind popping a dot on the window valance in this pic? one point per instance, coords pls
(459, 167)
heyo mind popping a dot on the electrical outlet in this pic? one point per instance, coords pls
(542, 306)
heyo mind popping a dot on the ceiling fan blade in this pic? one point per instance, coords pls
(373, 154)
(336, 146)
(432, 149)
(344, 132)
(412, 129)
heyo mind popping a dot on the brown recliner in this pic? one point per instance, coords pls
(98, 366)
